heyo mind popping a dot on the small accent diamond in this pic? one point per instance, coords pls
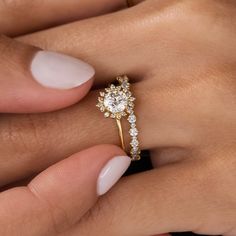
(134, 142)
(112, 86)
(125, 85)
(135, 151)
(102, 109)
(128, 94)
(102, 94)
(130, 110)
(133, 132)
(132, 118)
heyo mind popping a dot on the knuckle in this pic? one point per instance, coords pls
(214, 185)
(219, 181)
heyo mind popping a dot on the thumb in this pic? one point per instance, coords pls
(32, 80)
(57, 198)
(168, 199)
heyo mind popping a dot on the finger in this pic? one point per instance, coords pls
(57, 198)
(120, 53)
(175, 198)
(58, 134)
(21, 17)
(138, 54)
(33, 80)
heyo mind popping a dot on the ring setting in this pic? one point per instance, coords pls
(117, 102)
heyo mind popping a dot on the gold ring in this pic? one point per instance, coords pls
(116, 102)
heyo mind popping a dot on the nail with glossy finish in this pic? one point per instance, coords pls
(59, 71)
(111, 173)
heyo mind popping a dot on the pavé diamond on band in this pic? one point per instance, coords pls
(116, 102)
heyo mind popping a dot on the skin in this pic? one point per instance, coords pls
(181, 58)
(39, 206)
(46, 14)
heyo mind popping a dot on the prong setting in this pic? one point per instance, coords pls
(117, 102)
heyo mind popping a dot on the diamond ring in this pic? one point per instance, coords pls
(117, 102)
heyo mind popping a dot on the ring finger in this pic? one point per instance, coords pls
(37, 141)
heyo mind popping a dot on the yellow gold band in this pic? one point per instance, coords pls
(118, 122)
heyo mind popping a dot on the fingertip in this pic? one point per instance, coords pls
(60, 71)
(61, 80)
(33, 80)
(77, 178)
(111, 173)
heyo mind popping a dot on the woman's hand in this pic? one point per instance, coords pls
(33, 80)
(181, 56)
(56, 199)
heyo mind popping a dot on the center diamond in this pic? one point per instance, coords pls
(115, 102)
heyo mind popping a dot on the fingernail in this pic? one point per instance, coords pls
(111, 173)
(59, 71)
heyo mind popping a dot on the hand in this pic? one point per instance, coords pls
(33, 81)
(28, 85)
(183, 68)
(24, 89)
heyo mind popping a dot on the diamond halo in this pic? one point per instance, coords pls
(117, 102)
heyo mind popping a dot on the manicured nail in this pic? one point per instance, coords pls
(111, 173)
(59, 71)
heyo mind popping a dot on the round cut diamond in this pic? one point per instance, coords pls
(132, 118)
(115, 102)
(134, 150)
(130, 110)
(133, 132)
(134, 142)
